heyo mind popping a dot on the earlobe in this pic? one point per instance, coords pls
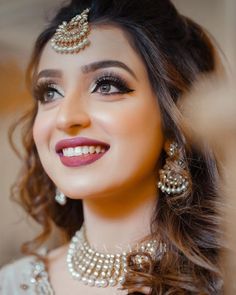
(167, 144)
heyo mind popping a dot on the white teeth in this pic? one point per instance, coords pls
(78, 151)
(70, 152)
(92, 149)
(82, 150)
(98, 149)
(85, 150)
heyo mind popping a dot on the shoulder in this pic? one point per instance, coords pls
(15, 277)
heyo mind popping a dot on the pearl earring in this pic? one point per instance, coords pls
(60, 198)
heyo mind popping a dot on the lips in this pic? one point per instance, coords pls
(78, 141)
(81, 160)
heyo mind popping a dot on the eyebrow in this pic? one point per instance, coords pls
(92, 67)
(106, 64)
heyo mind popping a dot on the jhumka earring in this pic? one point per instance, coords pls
(71, 37)
(174, 178)
(60, 198)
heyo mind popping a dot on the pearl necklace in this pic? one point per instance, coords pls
(102, 269)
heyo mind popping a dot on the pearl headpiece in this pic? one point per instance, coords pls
(71, 37)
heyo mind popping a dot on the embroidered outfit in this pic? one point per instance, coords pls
(26, 276)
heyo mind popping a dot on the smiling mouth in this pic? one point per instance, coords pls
(81, 155)
(81, 151)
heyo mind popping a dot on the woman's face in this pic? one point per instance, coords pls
(102, 93)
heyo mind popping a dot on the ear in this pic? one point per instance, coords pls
(167, 144)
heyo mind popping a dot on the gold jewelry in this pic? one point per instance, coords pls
(103, 269)
(171, 181)
(71, 37)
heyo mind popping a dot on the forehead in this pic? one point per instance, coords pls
(106, 43)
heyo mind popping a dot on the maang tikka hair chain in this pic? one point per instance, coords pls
(71, 37)
(171, 181)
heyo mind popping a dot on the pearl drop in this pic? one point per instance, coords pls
(70, 251)
(91, 282)
(84, 280)
(121, 279)
(112, 282)
(97, 283)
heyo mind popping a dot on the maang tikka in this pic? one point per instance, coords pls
(171, 181)
(71, 37)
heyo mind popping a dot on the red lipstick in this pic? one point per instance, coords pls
(84, 159)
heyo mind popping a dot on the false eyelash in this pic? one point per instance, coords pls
(114, 80)
(41, 87)
(111, 78)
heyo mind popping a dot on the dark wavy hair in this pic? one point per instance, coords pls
(175, 51)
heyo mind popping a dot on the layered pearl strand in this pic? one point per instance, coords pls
(102, 269)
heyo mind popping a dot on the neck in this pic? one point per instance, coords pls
(116, 223)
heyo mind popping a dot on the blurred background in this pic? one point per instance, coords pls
(20, 23)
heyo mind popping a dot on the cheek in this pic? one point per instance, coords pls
(143, 133)
(136, 119)
(41, 130)
(135, 131)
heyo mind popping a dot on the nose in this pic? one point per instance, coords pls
(72, 113)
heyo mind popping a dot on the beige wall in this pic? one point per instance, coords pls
(20, 22)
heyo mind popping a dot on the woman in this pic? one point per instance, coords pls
(107, 160)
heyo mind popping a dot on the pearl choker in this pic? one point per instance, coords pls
(103, 269)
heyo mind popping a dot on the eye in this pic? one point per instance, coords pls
(50, 94)
(46, 92)
(110, 85)
(106, 88)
